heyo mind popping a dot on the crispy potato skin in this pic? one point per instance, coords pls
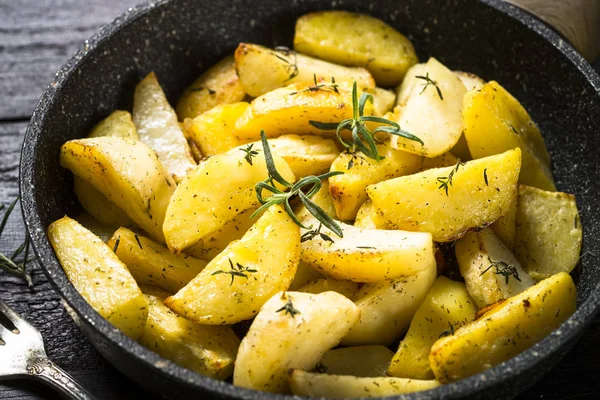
(360, 361)
(99, 276)
(505, 330)
(356, 39)
(470, 203)
(218, 85)
(279, 340)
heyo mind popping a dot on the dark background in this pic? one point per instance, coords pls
(36, 38)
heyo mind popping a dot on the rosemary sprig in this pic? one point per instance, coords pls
(503, 269)
(310, 235)
(249, 153)
(485, 178)
(236, 270)
(428, 82)
(320, 368)
(446, 181)
(288, 308)
(320, 87)
(362, 137)
(11, 264)
(292, 65)
(449, 331)
(312, 184)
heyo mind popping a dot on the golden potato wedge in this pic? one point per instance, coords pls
(117, 124)
(345, 386)
(345, 288)
(157, 125)
(218, 190)
(548, 232)
(207, 350)
(383, 100)
(153, 264)
(93, 225)
(470, 80)
(505, 226)
(99, 276)
(364, 219)
(432, 111)
(98, 206)
(306, 155)
(212, 131)
(491, 271)
(359, 171)
(361, 361)
(445, 160)
(367, 255)
(387, 307)
(305, 274)
(447, 307)
(447, 202)
(218, 85)
(292, 330)
(289, 109)
(128, 173)
(262, 69)
(323, 199)
(236, 283)
(504, 331)
(154, 291)
(494, 121)
(356, 39)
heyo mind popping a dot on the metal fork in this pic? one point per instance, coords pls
(22, 355)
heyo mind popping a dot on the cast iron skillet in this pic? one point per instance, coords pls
(179, 39)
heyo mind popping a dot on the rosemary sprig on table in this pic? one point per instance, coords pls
(503, 269)
(11, 264)
(428, 82)
(362, 137)
(236, 270)
(446, 181)
(312, 184)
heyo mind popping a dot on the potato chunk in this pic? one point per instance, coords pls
(505, 330)
(128, 173)
(236, 283)
(292, 330)
(345, 288)
(344, 386)
(218, 190)
(305, 274)
(495, 121)
(99, 276)
(491, 271)
(157, 126)
(478, 193)
(349, 189)
(306, 155)
(387, 307)
(447, 306)
(432, 111)
(548, 232)
(355, 39)
(262, 69)
(383, 100)
(93, 225)
(98, 206)
(505, 226)
(207, 350)
(218, 85)
(153, 264)
(367, 255)
(117, 124)
(363, 361)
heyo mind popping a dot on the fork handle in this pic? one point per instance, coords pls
(46, 371)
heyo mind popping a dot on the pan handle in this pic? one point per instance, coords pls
(577, 20)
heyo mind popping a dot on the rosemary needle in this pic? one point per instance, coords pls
(11, 264)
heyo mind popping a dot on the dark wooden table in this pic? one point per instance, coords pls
(36, 38)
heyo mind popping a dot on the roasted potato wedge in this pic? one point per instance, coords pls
(387, 307)
(207, 350)
(355, 39)
(470, 80)
(434, 102)
(215, 193)
(151, 263)
(505, 330)
(218, 85)
(323, 199)
(364, 219)
(383, 100)
(212, 131)
(447, 202)
(361, 361)
(548, 232)
(305, 274)
(491, 271)
(99, 276)
(359, 171)
(367, 255)
(262, 69)
(306, 155)
(344, 386)
(292, 330)
(505, 226)
(494, 121)
(98, 206)
(157, 125)
(345, 288)
(236, 283)
(447, 307)
(117, 124)
(128, 173)
(96, 227)
(154, 291)
(445, 160)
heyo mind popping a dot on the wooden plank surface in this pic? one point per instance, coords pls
(36, 37)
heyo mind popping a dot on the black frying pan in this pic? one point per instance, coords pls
(179, 39)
